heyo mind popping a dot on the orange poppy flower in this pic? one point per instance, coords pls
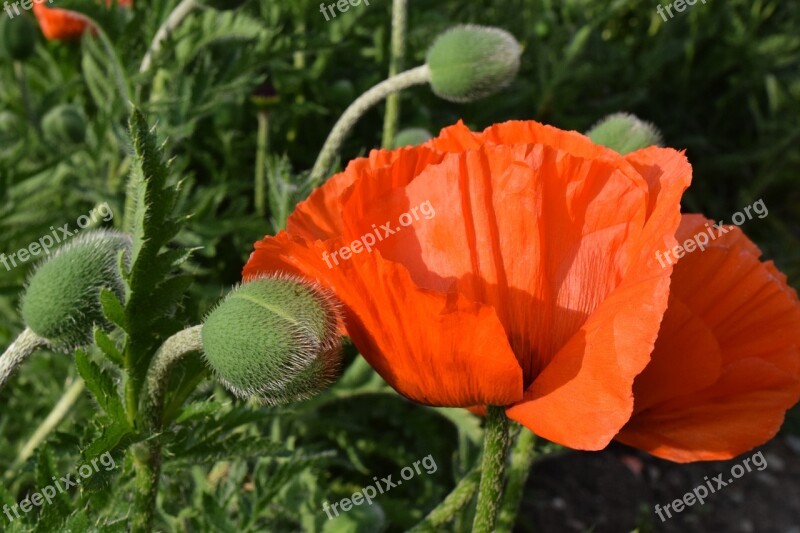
(726, 365)
(535, 285)
(63, 24)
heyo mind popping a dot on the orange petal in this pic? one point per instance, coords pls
(754, 318)
(585, 391)
(434, 348)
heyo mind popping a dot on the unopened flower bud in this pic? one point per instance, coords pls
(411, 137)
(470, 62)
(64, 124)
(62, 299)
(625, 133)
(275, 338)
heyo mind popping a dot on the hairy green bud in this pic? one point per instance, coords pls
(470, 62)
(275, 338)
(62, 299)
(625, 133)
(64, 124)
(18, 36)
(411, 137)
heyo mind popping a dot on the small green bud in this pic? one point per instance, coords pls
(411, 137)
(64, 124)
(62, 299)
(275, 338)
(624, 133)
(18, 36)
(470, 62)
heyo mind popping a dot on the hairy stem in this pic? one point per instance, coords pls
(175, 18)
(495, 446)
(454, 502)
(398, 52)
(20, 349)
(522, 456)
(363, 103)
(148, 467)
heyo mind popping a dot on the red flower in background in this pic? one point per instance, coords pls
(535, 286)
(63, 24)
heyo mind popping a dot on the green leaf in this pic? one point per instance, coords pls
(113, 308)
(102, 386)
(108, 347)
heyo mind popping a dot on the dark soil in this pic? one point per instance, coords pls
(616, 491)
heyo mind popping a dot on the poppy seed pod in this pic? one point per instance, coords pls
(625, 133)
(411, 137)
(470, 62)
(62, 299)
(275, 338)
(64, 124)
(18, 37)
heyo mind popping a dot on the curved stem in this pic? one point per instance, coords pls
(180, 12)
(52, 421)
(495, 446)
(522, 457)
(409, 78)
(148, 469)
(262, 146)
(390, 120)
(20, 349)
(454, 502)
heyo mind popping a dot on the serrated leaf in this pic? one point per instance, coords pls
(102, 386)
(112, 435)
(108, 347)
(113, 308)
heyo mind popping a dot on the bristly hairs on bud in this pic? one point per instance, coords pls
(276, 338)
(470, 62)
(61, 302)
(625, 133)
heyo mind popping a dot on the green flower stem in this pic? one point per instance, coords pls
(174, 20)
(20, 349)
(495, 446)
(56, 416)
(409, 78)
(22, 80)
(454, 502)
(522, 456)
(398, 52)
(262, 147)
(148, 463)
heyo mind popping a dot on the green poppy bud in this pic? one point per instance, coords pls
(470, 62)
(411, 137)
(62, 299)
(64, 124)
(275, 338)
(18, 36)
(625, 133)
